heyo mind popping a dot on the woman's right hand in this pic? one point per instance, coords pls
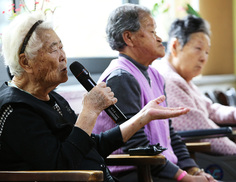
(95, 101)
(99, 98)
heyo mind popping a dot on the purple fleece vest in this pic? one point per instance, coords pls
(157, 131)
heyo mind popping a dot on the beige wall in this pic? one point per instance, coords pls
(219, 13)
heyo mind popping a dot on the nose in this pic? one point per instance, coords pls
(204, 57)
(159, 39)
(62, 56)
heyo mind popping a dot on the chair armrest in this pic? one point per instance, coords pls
(65, 175)
(194, 147)
(143, 163)
(205, 133)
(126, 159)
(198, 146)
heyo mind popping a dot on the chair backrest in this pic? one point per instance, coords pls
(210, 94)
(191, 135)
(231, 95)
(227, 98)
(221, 98)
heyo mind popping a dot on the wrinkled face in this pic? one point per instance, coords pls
(147, 44)
(49, 66)
(193, 56)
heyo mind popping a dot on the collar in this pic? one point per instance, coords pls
(140, 66)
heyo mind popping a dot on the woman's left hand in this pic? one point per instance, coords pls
(208, 176)
(154, 111)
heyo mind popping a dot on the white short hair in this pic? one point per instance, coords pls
(14, 35)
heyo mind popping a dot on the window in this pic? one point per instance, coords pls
(4, 6)
(164, 19)
(79, 23)
(81, 26)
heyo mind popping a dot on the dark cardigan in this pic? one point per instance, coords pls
(128, 93)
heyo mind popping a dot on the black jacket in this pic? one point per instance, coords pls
(34, 136)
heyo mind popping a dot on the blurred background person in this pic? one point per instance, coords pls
(187, 53)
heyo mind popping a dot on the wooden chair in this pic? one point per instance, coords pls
(142, 162)
(65, 175)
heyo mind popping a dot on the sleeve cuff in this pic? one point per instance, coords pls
(187, 163)
(168, 170)
(81, 140)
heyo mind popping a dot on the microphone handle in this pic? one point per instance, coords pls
(113, 111)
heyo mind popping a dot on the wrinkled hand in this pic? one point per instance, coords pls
(154, 111)
(198, 178)
(148, 113)
(99, 98)
(207, 176)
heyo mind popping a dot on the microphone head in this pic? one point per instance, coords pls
(76, 68)
(82, 75)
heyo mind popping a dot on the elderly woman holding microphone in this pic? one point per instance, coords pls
(39, 130)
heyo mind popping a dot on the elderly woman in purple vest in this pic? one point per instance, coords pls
(131, 31)
(187, 53)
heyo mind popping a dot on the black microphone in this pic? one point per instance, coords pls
(83, 76)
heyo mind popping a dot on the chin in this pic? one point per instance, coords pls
(161, 54)
(64, 79)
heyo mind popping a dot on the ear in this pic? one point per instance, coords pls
(127, 37)
(25, 63)
(174, 47)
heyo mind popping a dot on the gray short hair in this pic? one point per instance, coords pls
(182, 29)
(14, 35)
(124, 18)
